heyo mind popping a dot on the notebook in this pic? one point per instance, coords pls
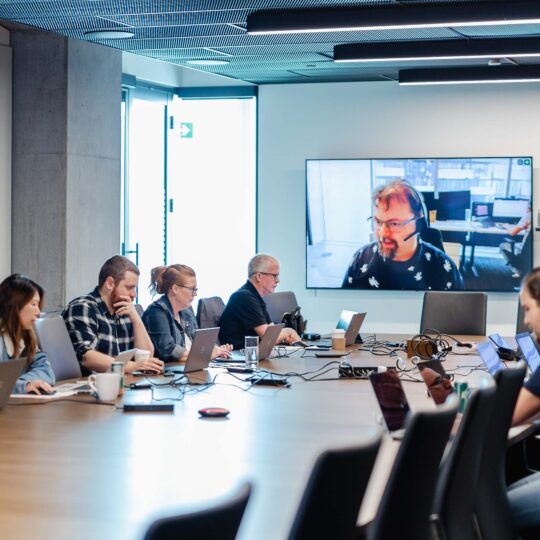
(392, 401)
(436, 379)
(528, 350)
(266, 345)
(9, 373)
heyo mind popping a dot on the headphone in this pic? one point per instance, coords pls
(419, 209)
(427, 347)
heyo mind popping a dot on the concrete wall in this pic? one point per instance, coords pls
(66, 161)
(348, 120)
(93, 163)
(5, 157)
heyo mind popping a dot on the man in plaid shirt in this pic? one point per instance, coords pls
(104, 323)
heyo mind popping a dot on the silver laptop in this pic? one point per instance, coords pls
(200, 352)
(54, 340)
(266, 345)
(9, 373)
(351, 322)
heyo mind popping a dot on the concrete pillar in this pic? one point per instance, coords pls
(66, 161)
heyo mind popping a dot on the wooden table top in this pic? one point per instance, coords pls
(83, 470)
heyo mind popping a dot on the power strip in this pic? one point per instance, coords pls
(350, 372)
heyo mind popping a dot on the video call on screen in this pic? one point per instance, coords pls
(473, 202)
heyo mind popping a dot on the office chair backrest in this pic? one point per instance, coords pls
(455, 494)
(331, 501)
(520, 324)
(493, 512)
(279, 303)
(460, 313)
(221, 521)
(209, 312)
(54, 340)
(434, 237)
(405, 507)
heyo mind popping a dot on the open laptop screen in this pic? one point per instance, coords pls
(391, 397)
(528, 349)
(490, 357)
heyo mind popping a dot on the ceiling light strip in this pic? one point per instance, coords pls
(452, 49)
(470, 75)
(393, 17)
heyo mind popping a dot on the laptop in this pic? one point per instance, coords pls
(392, 401)
(436, 379)
(9, 373)
(199, 354)
(499, 341)
(528, 350)
(54, 340)
(490, 357)
(266, 344)
(351, 322)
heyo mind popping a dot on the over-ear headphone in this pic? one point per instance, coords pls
(419, 209)
(427, 347)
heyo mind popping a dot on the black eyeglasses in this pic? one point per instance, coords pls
(192, 289)
(275, 276)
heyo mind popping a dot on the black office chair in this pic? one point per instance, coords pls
(405, 507)
(209, 312)
(518, 255)
(455, 494)
(279, 303)
(520, 323)
(331, 501)
(493, 512)
(218, 523)
(459, 312)
(434, 237)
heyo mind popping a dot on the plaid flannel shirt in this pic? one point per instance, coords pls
(92, 328)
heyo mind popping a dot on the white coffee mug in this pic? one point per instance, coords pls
(142, 354)
(106, 385)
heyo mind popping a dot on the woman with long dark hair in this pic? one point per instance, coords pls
(21, 300)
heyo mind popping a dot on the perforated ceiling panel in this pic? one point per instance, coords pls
(183, 31)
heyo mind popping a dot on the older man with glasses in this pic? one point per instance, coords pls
(246, 313)
(399, 258)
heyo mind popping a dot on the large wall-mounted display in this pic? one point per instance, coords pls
(418, 223)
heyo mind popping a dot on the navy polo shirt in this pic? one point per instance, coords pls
(244, 311)
(533, 384)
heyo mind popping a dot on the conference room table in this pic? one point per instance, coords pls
(82, 469)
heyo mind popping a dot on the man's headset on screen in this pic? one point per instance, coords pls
(418, 207)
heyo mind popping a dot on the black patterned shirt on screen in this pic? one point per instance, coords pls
(428, 269)
(92, 327)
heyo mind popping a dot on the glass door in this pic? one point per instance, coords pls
(144, 152)
(211, 190)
